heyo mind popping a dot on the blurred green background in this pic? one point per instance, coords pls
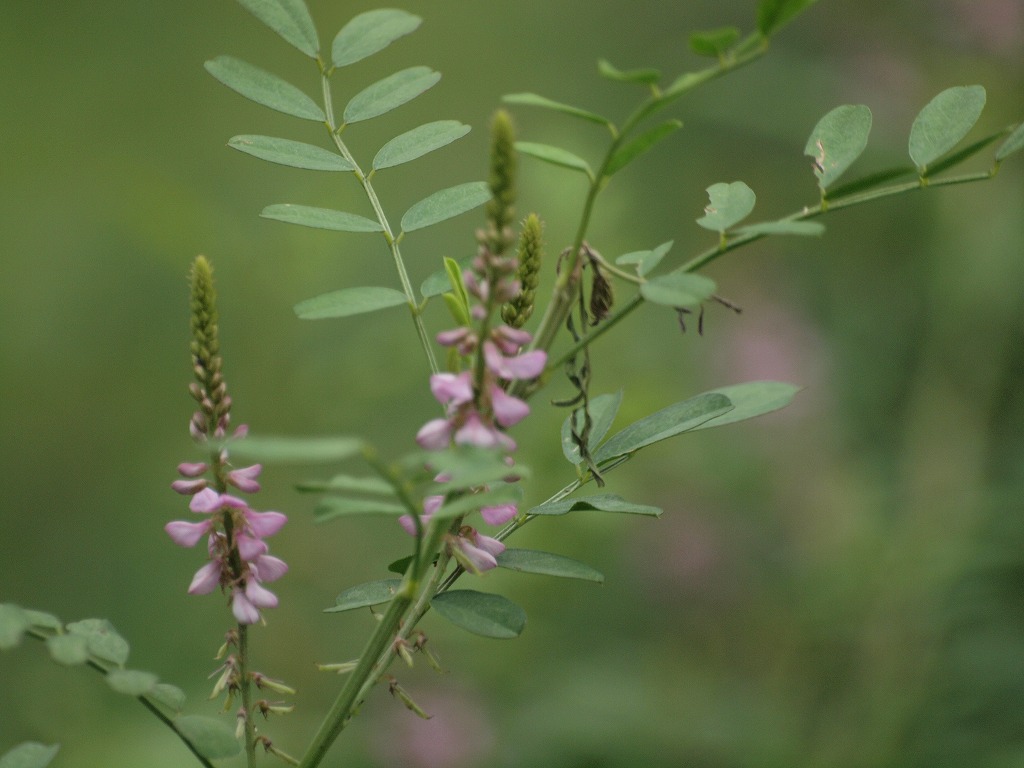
(838, 584)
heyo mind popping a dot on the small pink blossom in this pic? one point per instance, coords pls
(244, 478)
(452, 389)
(499, 514)
(434, 435)
(187, 534)
(206, 579)
(526, 366)
(476, 552)
(508, 410)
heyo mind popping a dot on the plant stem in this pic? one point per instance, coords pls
(246, 690)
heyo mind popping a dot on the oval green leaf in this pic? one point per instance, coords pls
(646, 261)
(295, 154)
(171, 696)
(365, 595)
(554, 155)
(680, 290)
(320, 218)
(264, 88)
(13, 623)
(213, 739)
(603, 502)
(713, 42)
(391, 92)
(1013, 143)
(445, 204)
(728, 205)
(29, 754)
(337, 506)
(290, 19)
(103, 640)
(534, 100)
(943, 122)
(547, 564)
(641, 144)
(297, 450)
(603, 409)
(751, 399)
(132, 682)
(837, 140)
(370, 32)
(783, 227)
(481, 613)
(645, 76)
(440, 281)
(69, 650)
(348, 301)
(668, 422)
(418, 142)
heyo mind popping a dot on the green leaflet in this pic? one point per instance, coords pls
(555, 156)
(603, 409)
(69, 650)
(1013, 143)
(445, 204)
(547, 564)
(943, 122)
(29, 754)
(390, 93)
(783, 227)
(132, 682)
(680, 290)
(644, 76)
(533, 100)
(752, 399)
(338, 506)
(646, 261)
(603, 502)
(365, 595)
(633, 149)
(102, 640)
(348, 483)
(348, 301)
(728, 204)
(320, 218)
(772, 15)
(13, 623)
(295, 154)
(213, 738)
(264, 88)
(370, 32)
(297, 450)
(837, 140)
(713, 42)
(418, 142)
(290, 19)
(481, 613)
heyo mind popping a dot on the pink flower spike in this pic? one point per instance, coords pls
(206, 579)
(269, 568)
(259, 596)
(187, 534)
(449, 388)
(249, 548)
(244, 478)
(508, 410)
(498, 514)
(264, 523)
(475, 432)
(192, 469)
(188, 487)
(434, 435)
(245, 612)
(205, 501)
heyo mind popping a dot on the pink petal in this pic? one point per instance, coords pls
(259, 596)
(244, 478)
(245, 612)
(508, 410)
(434, 435)
(449, 388)
(431, 504)
(498, 514)
(479, 559)
(188, 487)
(475, 432)
(264, 523)
(526, 366)
(187, 534)
(206, 579)
(249, 548)
(510, 340)
(192, 469)
(269, 568)
(490, 545)
(452, 337)
(205, 502)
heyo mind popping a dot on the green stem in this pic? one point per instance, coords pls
(246, 690)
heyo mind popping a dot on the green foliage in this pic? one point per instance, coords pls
(320, 218)
(370, 32)
(297, 450)
(729, 205)
(296, 154)
(604, 502)
(943, 122)
(264, 88)
(1013, 143)
(132, 682)
(645, 261)
(290, 19)
(837, 140)
(365, 595)
(643, 76)
(13, 624)
(481, 613)
(348, 301)
(751, 399)
(547, 564)
(348, 483)
(69, 650)
(445, 204)
(533, 100)
(714, 42)
(212, 738)
(772, 15)
(334, 507)
(29, 754)
(602, 409)
(554, 156)
(641, 144)
(390, 93)
(418, 142)
(680, 290)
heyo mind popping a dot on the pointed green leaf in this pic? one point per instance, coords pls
(438, 282)
(391, 92)
(680, 290)
(295, 154)
(418, 142)
(213, 738)
(348, 483)
(370, 32)
(297, 450)
(132, 682)
(728, 205)
(348, 301)
(668, 422)
(401, 565)
(320, 218)
(554, 155)
(337, 506)
(264, 88)
(481, 613)
(446, 204)
(837, 140)
(713, 42)
(943, 122)
(171, 696)
(604, 502)
(365, 595)
(103, 640)
(29, 754)
(290, 19)
(533, 100)
(783, 227)
(13, 623)
(1013, 143)
(646, 261)
(548, 564)
(633, 149)
(645, 76)
(603, 409)
(772, 15)
(751, 399)
(69, 650)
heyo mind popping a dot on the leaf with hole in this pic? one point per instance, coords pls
(837, 140)
(547, 564)
(446, 204)
(349, 301)
(554, 155)
(295, 154)
(646, 261)
(334, 507)
(679, 290)
(132, 682)
(481, 613)
(214, 739)
(728, 205)
(534, 100)
(320, 218)
(751, 399)
(365, 595)
(944, 122)
(603, 502)
(29, 754)
(418, 142)
(603, 409)
(290, 19)
(390, 93)
(264, 88)
(633, 149)
(668, 422)
(297, 450)
(644, 76)
(713, 42)
(370, 32)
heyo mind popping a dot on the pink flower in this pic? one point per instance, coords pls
(244, 478)
(476, 552)
(498, 514)
(508, 410)
(452, 389)
(187, 534)
(434, 435)
(526, 366)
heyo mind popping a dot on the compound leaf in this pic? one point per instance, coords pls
(646, 261)
(604, 502)
(751, 399)
(102, 639)
(132, 682)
